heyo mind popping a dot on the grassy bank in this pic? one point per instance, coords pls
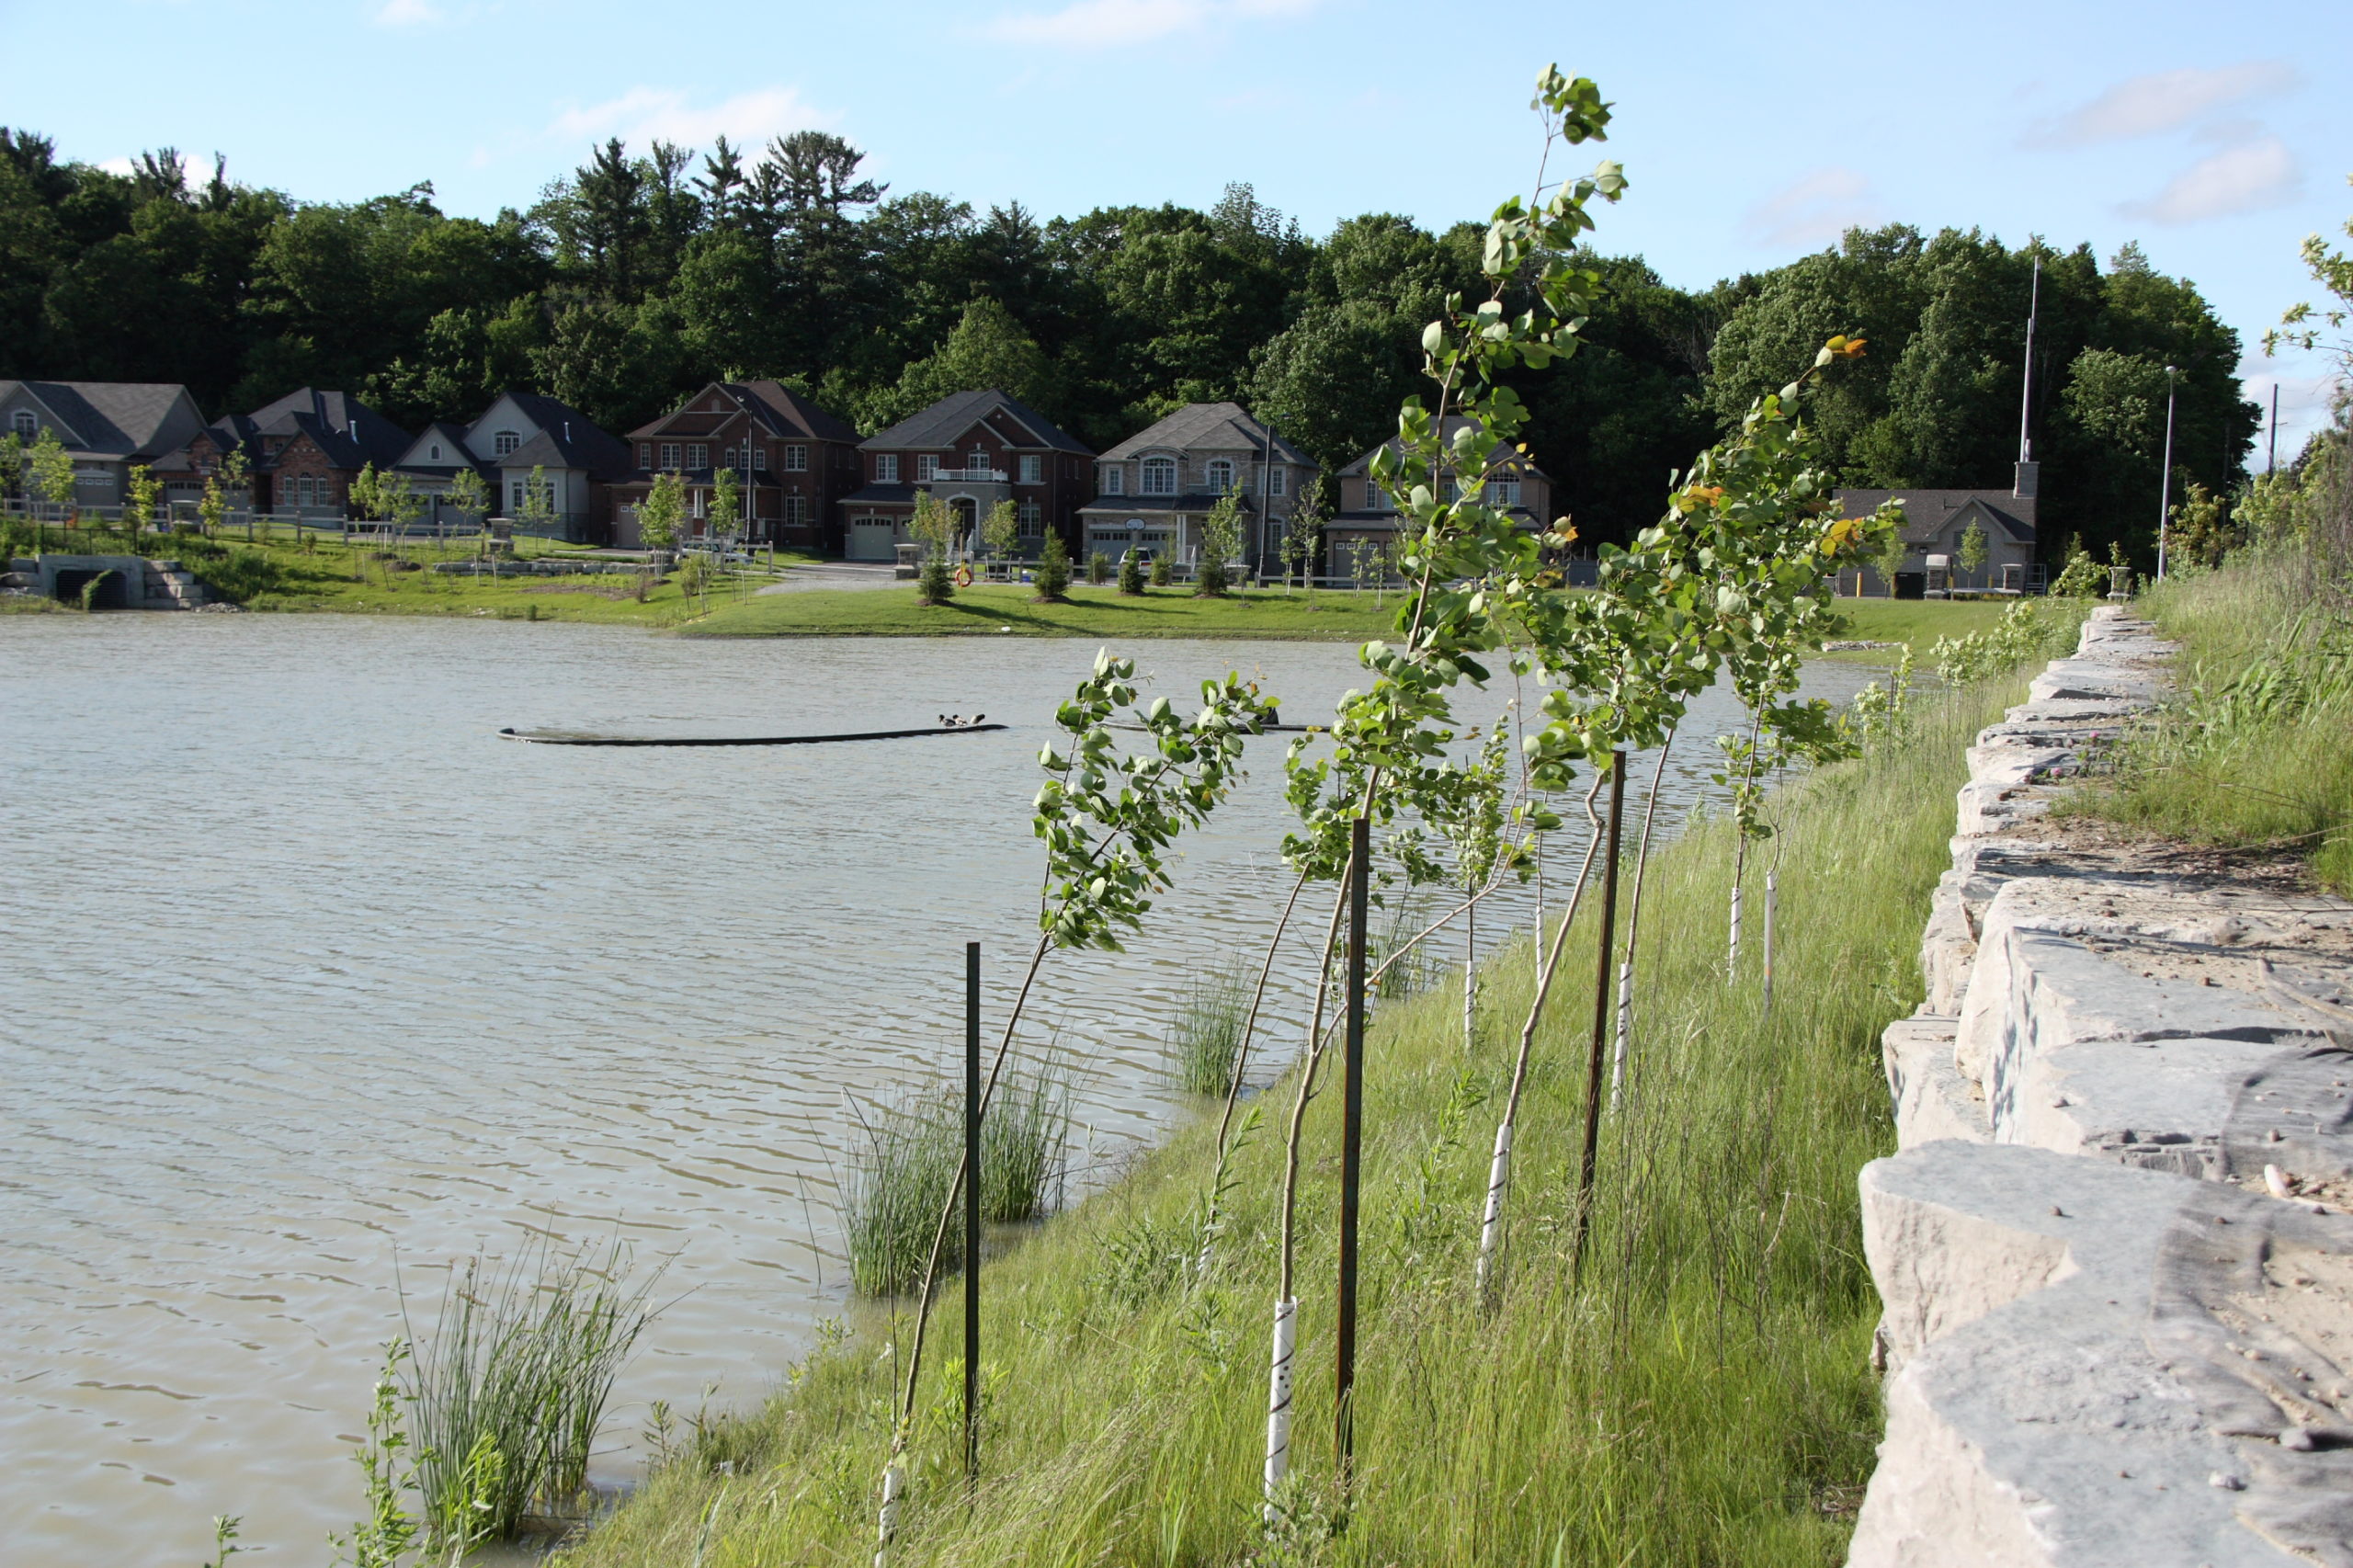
(2256, 751)
(1105, 613)
(1701, 1396)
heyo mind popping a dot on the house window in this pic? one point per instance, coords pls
(517, 493)
(1503, 492)
(645, 454)
(796, 459)
(1219, 476)
(1033, 470)
(1160, 476)
(1115, 480)
(977, 462)
(759, 459)
(504, 442)
(698, 455)
(1275, 480)
(927, 467)
(1452, 488)
(1373, 501)
(27, 425)
(796, 511)
(727, 457)
(886, 468)
(670, 455)
(437, 451)
(1033, 520)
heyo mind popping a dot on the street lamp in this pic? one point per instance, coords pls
(2165, 480)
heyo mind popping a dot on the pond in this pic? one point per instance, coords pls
(314, 984)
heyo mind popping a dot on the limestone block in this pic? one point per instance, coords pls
(2087, 679)
(1932, 1099)
(1949, 945)
(2161, 1104)
(2030, 1423)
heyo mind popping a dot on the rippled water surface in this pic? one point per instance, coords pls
(312, 984)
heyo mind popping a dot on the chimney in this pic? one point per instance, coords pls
(2023, 487)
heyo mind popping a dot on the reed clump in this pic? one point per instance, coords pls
(506, 1397)
(1204, 1039)
(905, 1158)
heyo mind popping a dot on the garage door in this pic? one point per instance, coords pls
(871, 538)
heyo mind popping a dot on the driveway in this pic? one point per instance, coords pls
(837, 574)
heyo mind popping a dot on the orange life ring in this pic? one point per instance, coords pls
(964, 576)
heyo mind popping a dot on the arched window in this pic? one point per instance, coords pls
(437, 451)
(504, 442)
(26, 425)
(1219, 476)
(1160, 476)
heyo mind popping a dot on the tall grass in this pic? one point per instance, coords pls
(507, 1396)
(2257, 747)
(1700, 1394)
(905, 1158)
(1205, 1037)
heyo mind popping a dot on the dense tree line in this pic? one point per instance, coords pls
(638, 278)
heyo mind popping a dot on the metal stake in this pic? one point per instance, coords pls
(1352, 1139)
(1600, 1008)
(972, 1211)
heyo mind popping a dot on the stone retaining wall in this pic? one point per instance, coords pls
(2114, 1247)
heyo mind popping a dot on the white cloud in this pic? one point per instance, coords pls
(643, 114)
(2161, 101)
(2245, 179)
(122, 166)
(1111, 24)
(1813, 210)
(407, 14)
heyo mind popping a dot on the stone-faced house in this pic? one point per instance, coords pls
(108, 428)
(970, 449)
(1936, 521)
(1366, 517)
(1153, 489)
(521, 434)
(793, 461)
(302, 451)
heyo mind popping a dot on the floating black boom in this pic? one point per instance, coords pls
(576, 738)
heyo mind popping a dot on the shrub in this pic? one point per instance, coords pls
(1160, 571)
(1130, 573)
(936, 584)
(1052, 576)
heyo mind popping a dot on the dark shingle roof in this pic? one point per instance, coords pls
(1929, 514)
(115, 418)
(568, 441)
(881, 494)
(790, 413)
(940, 426)
(419, 458)
(351, 434)
(1217, 426)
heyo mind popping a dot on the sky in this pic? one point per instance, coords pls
(1750, 134)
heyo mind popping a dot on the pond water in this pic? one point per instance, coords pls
(312, 984)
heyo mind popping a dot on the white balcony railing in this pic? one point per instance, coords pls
(969, 476)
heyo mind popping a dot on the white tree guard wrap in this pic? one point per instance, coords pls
(1278, 1380)
(1733, 963)
(1769, 901)
(1470, 1003)
(1491, 1223)
(1625, 1031)
(893, 1477)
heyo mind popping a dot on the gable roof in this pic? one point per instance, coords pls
(1929, 514)
(454, 453)
(571, 443)
(939, 426)
(351, 434)
(1453, 421)
(1219, 427)
(776, 409)
(117, 419)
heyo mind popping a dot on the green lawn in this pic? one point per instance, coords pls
(1917, 622)
(989, 609)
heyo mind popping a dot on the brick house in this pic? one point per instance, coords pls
(1935, 522)
(794, 462)
(1153, 489)
(520, 435)
(303, 452)
(972, 449)
(1367, 516)
(108, 427)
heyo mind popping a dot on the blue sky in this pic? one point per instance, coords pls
(1751, 134)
